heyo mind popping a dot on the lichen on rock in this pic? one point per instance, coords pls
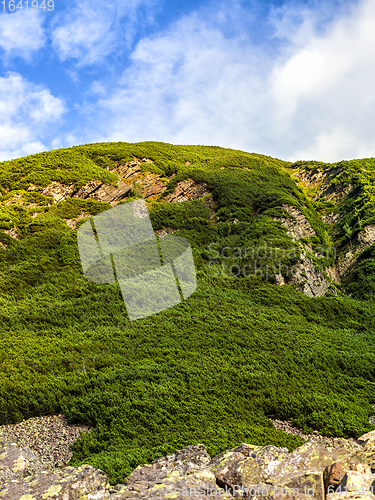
(191, 472)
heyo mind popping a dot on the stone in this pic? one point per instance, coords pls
(298, 226)
(184, 474)
(366, 438)
(263, 472)
(16, 463)
(12, 232)
(367, 453)
(72, 483)
(333, 475)
(187, 190)
(364, 239)
(228, 461)
(58, 191)
(157, 188)
(358, 478)
(305, 274)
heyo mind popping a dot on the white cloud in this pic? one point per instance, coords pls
(21, 33)
(27, 112)
(190, 85)
(93, 29)
(195, 84)
(327, 89)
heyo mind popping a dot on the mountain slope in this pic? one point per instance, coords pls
(210, 369)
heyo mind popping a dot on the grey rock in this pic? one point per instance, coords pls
(246, 470)
(308, 277)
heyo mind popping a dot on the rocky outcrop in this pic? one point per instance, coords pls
(309, 278)
(346, 259)
(330, 218)
(298, 226)
(319, 182)
(131, 177)
(187, 190)
(148, 185)
(133, 180)
(265, 472)
(59, 191)
(305, 274)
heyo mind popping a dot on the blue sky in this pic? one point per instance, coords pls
(290, 79)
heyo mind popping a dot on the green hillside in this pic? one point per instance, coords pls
(211, 369)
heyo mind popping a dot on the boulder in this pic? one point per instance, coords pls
(367, 453)
(313, 470)
(366, 438)
(184, 475)
(69, 483)
(333, 475)
(358, 478)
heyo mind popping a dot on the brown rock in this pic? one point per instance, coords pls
(333, 475)
(155, 189)
(107, 193)
(87, 189)
(187, 190)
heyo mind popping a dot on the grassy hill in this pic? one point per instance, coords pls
(211, 369)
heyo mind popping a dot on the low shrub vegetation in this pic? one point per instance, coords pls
(213, 368)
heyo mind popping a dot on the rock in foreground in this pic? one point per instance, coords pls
(344, 470)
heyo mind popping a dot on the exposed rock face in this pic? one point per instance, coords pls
(104, 192)
(363, 240)
(186, 471)
(330, 218)
(312, 470)
(187, 190)
(321, 181)
(59, 191)
(309, 279)
(149, 185)
(298, 226)
(305, 273)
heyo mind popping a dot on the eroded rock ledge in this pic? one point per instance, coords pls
(310, 280)
(311, 471)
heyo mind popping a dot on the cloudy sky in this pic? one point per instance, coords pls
(292, 79)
